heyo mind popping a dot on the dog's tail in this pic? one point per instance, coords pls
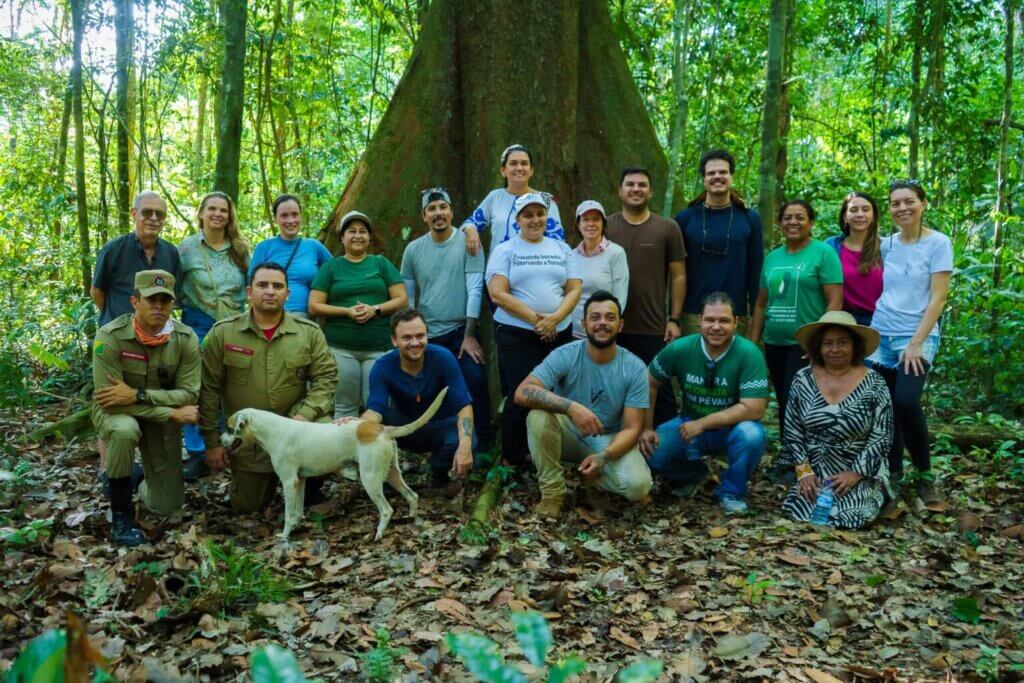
(406, 430)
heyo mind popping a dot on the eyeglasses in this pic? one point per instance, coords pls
(153, 213)
(710, 370)
(704, 234)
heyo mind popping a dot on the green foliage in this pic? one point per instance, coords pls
(27, 534)
(231, 579)
(755, 587)
(275, 664)
(42, 661)
(380, 662)
(966, 610)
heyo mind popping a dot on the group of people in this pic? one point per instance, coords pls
(635, 353)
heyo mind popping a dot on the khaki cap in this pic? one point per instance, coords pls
(150, 282)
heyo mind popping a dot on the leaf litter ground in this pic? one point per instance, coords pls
(929, 595)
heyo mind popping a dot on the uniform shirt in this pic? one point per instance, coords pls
(210, 280)
(536, 274)
(346, 284)
(310, 254)
(444, 283)
(118, 262)
(605, 388)
(724, 253)
(411, 395)
(650, 247)
(907, 282)
(169, 373)
(739, 373)
(498, 211)
(241, 369)
(794, 284)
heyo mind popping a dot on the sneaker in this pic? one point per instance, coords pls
(549, 507)
(732, 505)
(928, 492)
(195, 467)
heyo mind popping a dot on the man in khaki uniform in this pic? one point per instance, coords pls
(269, 359)
(146, 372)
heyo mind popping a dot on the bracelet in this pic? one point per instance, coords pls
(804, 470)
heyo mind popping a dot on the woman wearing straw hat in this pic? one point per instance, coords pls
(838, 428)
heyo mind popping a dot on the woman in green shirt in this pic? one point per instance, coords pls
(800, 280)
(357, 293)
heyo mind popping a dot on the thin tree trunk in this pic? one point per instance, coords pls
(124, 25)
(307, 174)
(680, 78)
(785, 114)
(78, 29)
(104, 165)
(229, 149)
(770, 114)
(913, 121)
(256, 121)
(1003, 203)
(61, 156)
(204, 87)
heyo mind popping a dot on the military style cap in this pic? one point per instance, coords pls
(150, 282)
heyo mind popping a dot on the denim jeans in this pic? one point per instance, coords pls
(475, 375)
(438, 437)
(681, 463)
(200, 323)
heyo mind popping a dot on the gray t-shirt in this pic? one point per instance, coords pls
(907, 282)
(439, 271)
(605, 389)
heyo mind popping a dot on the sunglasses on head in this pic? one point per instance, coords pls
(153, 213)
(897, 184)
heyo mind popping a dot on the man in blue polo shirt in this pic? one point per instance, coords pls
(122, 257)
(404, 382)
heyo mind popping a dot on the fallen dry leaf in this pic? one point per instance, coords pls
(798, 560)
(453, 609)
(624, 638)
(718, 531)
(820, 676)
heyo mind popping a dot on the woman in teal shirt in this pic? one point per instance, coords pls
(800, 280)
(357, 293)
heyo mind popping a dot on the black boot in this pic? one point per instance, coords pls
(314, 494)
(138, 474)
(195, 467)
(122, 525)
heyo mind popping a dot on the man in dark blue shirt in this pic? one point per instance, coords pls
(122, 257)
(404, 382)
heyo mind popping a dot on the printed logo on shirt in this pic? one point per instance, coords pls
(784, 292)
(596, 394)
(132, 355)
(238, 349)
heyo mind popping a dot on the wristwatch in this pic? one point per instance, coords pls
(141, 396)
(377, 312)
(677, 321)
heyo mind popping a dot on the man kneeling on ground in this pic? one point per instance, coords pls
(724, 383)
(588, 400)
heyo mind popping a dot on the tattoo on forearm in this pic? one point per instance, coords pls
(467, 427)
(541, 398)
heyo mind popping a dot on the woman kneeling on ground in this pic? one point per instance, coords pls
(838, 427)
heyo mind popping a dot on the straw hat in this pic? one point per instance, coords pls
(842, 319)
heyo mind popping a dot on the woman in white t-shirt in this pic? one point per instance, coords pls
(917, 265)
(534, 280)
(602, 263)
(498, 209)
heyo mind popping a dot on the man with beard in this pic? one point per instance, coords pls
(446, 284)
(269, 359)
(145, 367)
(403, 384)
(587, 402)
(656, 257)
(724, 385)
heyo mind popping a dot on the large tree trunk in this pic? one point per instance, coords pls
(770, 116)
(78, 29)
(233, 19)
(124, 24)
(1002, 185)
(680, 77)
(562, 88)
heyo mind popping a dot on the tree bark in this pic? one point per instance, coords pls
(124, 25)
(78, 30)
(680, 79)
(563, 89)
(914, 118)
(770, 116)
(233, 19)
(1003, 205)
(61, 156)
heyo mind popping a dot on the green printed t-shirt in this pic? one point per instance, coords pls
(740, 373)
(793, 283)
(346, 284)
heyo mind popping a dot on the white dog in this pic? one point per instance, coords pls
(307, 449)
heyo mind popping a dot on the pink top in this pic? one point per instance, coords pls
(859, 291)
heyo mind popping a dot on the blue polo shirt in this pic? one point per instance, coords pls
(118, 262)
(411, 395)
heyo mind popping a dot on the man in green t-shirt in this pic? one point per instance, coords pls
(724, 383)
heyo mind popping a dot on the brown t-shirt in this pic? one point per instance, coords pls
(650, 247)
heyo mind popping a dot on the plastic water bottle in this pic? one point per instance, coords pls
(823, 506)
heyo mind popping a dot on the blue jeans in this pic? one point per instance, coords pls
(680, 463)
(200, 324)
(439, 437)
(475, 375)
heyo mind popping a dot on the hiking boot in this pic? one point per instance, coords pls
(549, 507)
(732, 505)
(123, 529)
(928, 492)
(195, 467)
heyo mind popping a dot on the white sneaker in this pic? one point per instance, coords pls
(732, 505)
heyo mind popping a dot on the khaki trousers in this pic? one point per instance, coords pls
(163, 490)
